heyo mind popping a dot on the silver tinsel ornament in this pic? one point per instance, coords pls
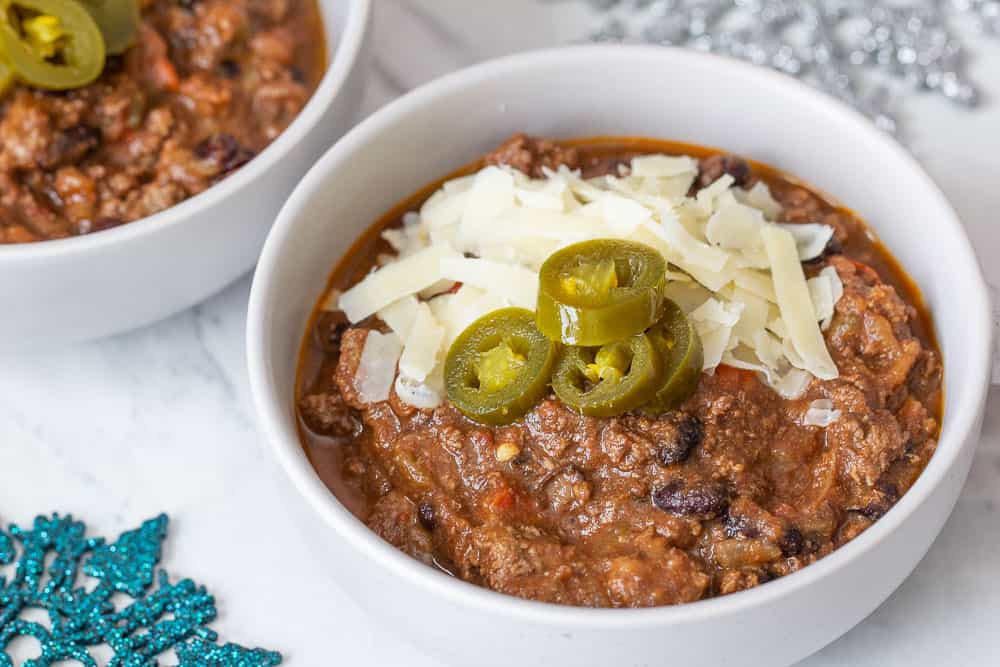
(835, 45)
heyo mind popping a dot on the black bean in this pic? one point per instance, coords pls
(690, 432)
(297, 74)
(888, 489)
(425, 512)
(712, 168)
(875, 510)
(229, 69)
(223, 150)
(708, 500)
(791, 542)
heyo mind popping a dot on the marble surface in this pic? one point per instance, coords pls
(159, 419)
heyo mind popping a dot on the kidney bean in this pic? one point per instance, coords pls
(708, 500)
(425, 512)
(712, 168)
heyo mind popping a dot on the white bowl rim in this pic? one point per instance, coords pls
(342, 61)
(270, 406)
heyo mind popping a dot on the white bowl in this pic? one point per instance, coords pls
(649, 91)
(111, 281)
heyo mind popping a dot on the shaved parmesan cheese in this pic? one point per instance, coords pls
(407, 239)
(734, 226)
(663, 166)
(810, 238)
(582, 189)
(443, 208)
(714, 321)
(793, 384)
(826, 290)
(714, 342)
(753, 315)
(795, 303)
(623, 215)
(717, 312)
(377, 366)
(705, 199)
(836, 284)
(459, 310)
(418, 394)
(422, 346)
(392, 282)
(515, 283)
(735, 273)
(704, 262)
(492, 194)
(759, 196)
(821, 413)
(400, 314)
(821, 293)
(755, 282)
(687, 295)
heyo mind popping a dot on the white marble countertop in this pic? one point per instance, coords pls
(118, 430)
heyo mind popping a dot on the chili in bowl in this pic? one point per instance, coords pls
(138, 136)
(619, 371)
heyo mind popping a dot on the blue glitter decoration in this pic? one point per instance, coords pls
(82, 614)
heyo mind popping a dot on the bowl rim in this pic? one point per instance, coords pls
(271, 407)
(341, 64)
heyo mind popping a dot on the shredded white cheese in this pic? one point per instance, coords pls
(393, 281)
(476, 245)
(377, 366)
(515, 283)
(422, 346)
(795, 304)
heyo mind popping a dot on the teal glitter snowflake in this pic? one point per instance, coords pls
(82, 614)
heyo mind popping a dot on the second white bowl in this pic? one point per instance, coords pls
(111, 281)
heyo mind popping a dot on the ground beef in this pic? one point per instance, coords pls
(533, 155)
(723, 494)
(208, 85)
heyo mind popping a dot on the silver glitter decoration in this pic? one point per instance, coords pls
(859, 51)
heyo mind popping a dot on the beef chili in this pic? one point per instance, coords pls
(206, 86)
(733, 487)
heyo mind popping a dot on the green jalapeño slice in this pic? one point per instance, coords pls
(118, 21)
(680, 350)
(597, 292)
(51, 44)
(6, 75)
(499, 367)
(608, 380)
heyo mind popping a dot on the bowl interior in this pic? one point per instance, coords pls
(647, 91)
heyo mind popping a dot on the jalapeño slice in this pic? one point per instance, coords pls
(118, 21)
(680, 350)
(51, 44)
(600, 291)
(609, 380)
(499, 367)
(6, 75)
